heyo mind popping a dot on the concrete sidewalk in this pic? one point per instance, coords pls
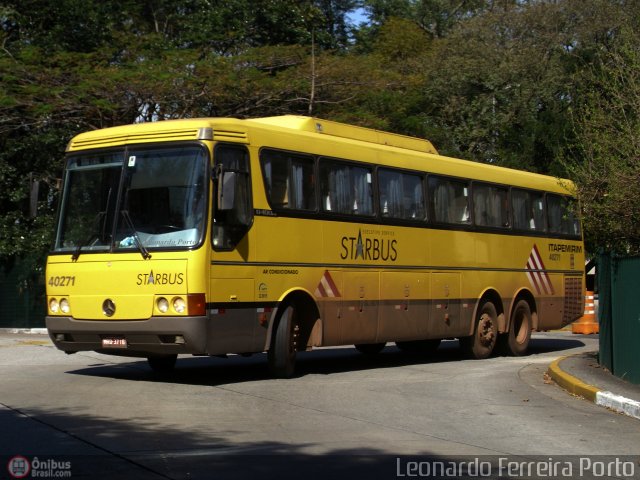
(581, 375)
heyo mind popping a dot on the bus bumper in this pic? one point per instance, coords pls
(139, 338)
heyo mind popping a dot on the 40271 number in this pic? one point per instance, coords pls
(65, 281)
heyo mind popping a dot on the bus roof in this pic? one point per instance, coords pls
(192, 129)
(351, 132)
(417, 154)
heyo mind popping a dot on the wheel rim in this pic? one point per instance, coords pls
(486, 330)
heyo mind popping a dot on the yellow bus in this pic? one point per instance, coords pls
(228, 236)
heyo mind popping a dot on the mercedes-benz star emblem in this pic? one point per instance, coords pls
(108, 307)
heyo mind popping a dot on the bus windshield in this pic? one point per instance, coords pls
(134, 199)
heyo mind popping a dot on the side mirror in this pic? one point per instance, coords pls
(226, 190)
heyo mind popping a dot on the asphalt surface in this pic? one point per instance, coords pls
(344, 416)
(579, 370)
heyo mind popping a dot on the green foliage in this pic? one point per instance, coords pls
(605, 161)
(511, 82)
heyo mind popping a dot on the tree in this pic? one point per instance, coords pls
(435, 17)
(497, 89)
(487, 80)
(605, 160)
(76, 65)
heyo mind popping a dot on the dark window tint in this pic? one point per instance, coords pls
(233, 212)
(289, 180)
(490, 205)
(561, 215)
(450, 200)
(401, 195)
(528, 210)
(345, 188)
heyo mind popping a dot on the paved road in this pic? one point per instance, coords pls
(225, 418)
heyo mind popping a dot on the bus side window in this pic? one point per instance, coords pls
(232, 216)
(346, 188)
(289, 180)
(490, 206)
(401, 195)
(528, 210)
(450, 199)
(561, 215)
(274, 168)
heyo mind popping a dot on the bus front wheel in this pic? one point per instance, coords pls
(284, 344)
(481, 344)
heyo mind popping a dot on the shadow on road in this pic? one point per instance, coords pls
(214, 371)
(146, 448)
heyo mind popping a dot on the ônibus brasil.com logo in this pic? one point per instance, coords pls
(21, 467)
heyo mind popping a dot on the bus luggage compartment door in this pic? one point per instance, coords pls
(445, 319)
(359, 323)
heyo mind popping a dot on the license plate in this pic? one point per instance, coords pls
(114, 342)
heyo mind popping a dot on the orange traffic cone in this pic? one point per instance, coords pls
(588, 323)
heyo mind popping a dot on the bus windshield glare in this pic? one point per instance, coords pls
(134, 199)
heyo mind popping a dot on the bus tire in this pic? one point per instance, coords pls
(282, 353)
(485, 334)
(370, 348)
(162, 364)
(517, 339)
(423, 347)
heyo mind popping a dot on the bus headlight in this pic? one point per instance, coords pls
(54, 306)
(162, 304)
(64, 306)
(179, 305)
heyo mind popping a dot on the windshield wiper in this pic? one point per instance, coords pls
(143, 250)
(100, 217)
(78, 250)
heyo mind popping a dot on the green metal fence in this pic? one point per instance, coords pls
(22, 295)
(619, 315)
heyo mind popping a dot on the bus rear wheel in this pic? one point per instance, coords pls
(516, 341)
(284, 344)
(481, 344)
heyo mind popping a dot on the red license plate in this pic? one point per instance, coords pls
(114, 342)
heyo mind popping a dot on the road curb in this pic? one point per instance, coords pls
(618, 403)
(592, 393)
(570, 383)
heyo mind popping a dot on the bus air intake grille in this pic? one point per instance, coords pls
(573, 299)
(162, 135)
(230, 135)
